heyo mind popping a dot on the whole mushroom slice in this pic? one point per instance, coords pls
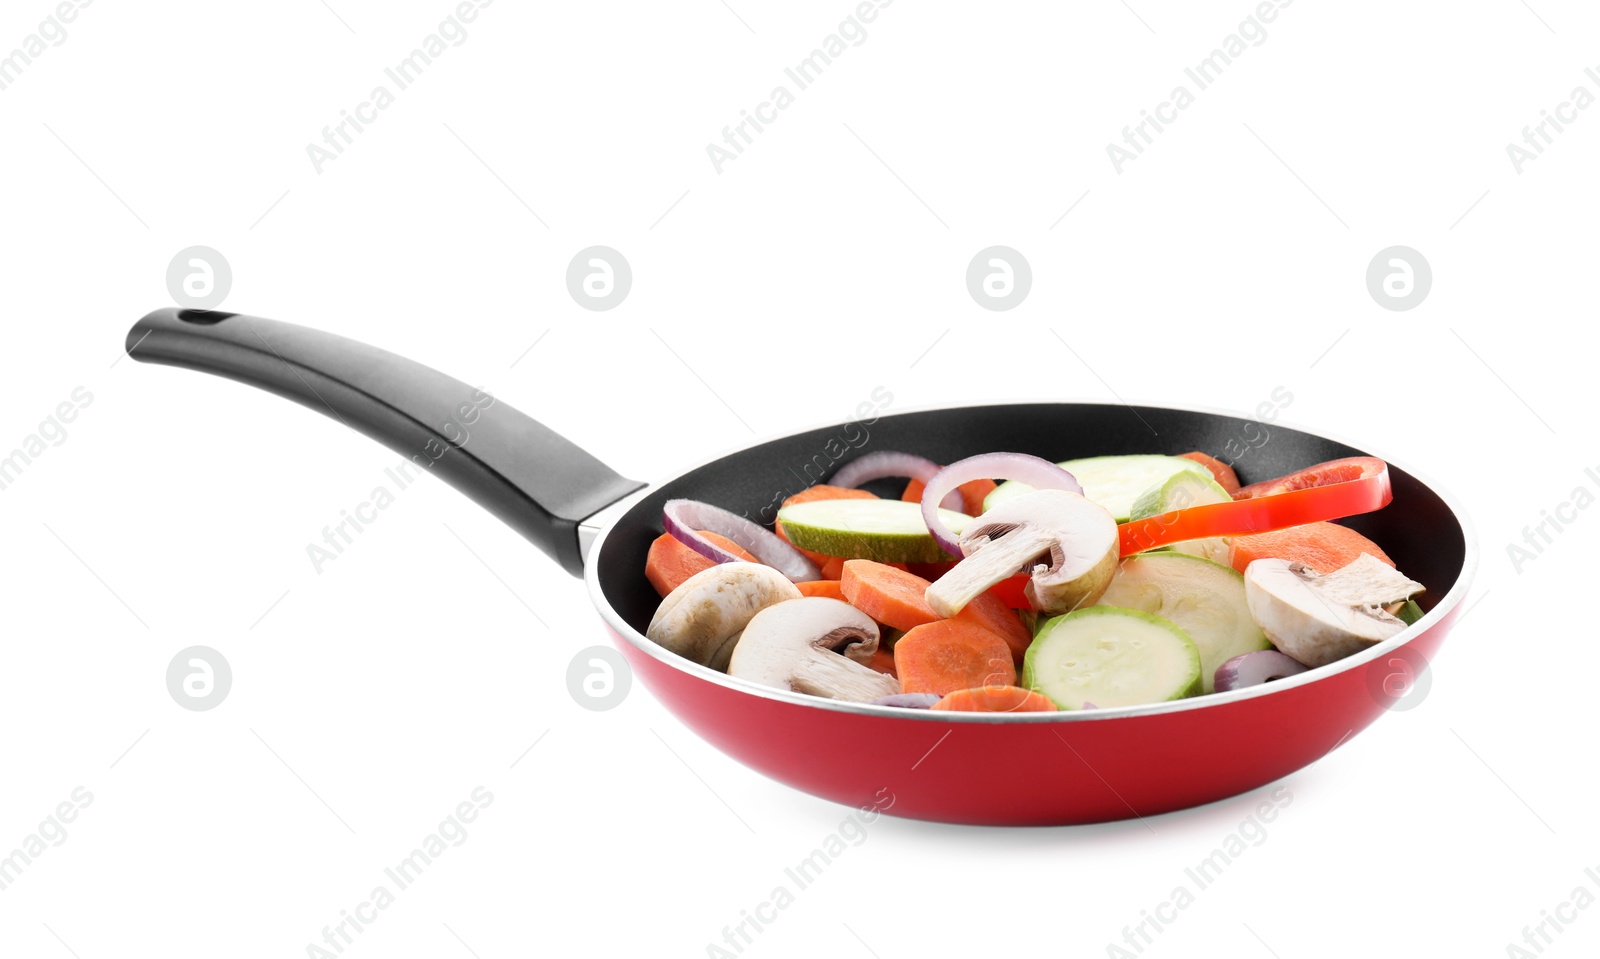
(1069, 542)
(701, 620)
(813, 645)
(1316, 619)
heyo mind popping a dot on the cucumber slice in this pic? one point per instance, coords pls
(1205, 599)
(884, 530)
(1114, 482)
(1111, 657)
(1180, 491)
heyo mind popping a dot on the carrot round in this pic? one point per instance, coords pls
(1220, 471)
(883, 661)
(1324, 547)
(995, 699)
(973, 494)
(670, 562)
(991, 612)
(889, 595)
(944, 656)
(826, 588)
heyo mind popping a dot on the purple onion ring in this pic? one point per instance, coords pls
(684, 518)
(865, 469)
(1036, 472)
(1253, 669)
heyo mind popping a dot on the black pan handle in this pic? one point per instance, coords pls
(535, 480)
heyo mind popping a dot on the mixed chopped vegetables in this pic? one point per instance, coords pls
(1007, 583)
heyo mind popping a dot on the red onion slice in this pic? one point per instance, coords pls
(684, 518)
(1036, 472)
(1253, 669)
(884, 463)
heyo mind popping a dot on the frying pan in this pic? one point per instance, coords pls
(1039, 768)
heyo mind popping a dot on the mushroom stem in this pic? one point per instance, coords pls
(1078, 537)
(822, 673)
(988, 561)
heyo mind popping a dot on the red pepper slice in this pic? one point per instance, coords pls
(1347, 487)
(1333, 471)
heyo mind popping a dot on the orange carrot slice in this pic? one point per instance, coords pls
(944, 656)
(827, 588)
(990, 611)
(883, 661)
(889, 595)
(1324, 547)
(995, 699)
(670, 562)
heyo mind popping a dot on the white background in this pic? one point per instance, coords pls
(370, 699)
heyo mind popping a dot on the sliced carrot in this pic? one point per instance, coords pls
(883, 661)
(670, 562)
(990, 611)
(889, 595)
(1324, 547)
(995, 699)
(972, 494)
(1220, 471)
(833, 566)
(826, 588)
(823, 491)
(950, 654)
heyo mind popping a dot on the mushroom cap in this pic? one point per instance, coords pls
(1069, 541)
(812, 645)
(702, 619)
(1317, 620)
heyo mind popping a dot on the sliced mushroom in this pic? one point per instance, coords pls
(1319, 619)
(702, 619)
(813, 645)
(1068, 542)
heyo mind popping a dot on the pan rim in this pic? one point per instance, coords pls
(1441, 611)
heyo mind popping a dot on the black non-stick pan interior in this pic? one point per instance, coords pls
(1418, 530)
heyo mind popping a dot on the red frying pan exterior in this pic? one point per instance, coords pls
(1034, 769)
(1036, 772)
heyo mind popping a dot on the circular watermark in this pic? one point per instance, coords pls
(599, 278)
(199, 678)
(999, 278)
(199, 278)
(1399, 278)
(599, 678)
(1399, 680)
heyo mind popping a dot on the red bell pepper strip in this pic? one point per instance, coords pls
(1367, 492)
